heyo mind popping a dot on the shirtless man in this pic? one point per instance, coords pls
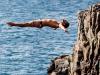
(42, 23)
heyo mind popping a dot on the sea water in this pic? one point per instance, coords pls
(29, 51)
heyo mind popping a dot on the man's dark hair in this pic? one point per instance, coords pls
(65, 23)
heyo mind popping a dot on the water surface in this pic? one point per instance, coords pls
(28, 51)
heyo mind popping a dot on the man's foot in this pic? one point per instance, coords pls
(11, 23)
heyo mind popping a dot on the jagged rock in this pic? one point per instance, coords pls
(60, 66)
(86, 52)
(88, 42)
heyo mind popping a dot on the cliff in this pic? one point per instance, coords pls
(85, 58)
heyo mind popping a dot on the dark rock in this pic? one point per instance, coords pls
(85, 59)
(59, 66)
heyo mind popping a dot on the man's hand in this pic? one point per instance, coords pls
(67, 31)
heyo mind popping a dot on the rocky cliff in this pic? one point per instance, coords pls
(85, 58)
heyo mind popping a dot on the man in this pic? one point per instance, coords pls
(42, 23)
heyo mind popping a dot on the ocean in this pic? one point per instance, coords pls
(29, 51)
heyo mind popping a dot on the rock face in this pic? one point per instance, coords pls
(85, 59)
(60, 66)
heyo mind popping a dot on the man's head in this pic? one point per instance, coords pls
(65, 23)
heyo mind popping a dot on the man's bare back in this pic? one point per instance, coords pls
(42, 23)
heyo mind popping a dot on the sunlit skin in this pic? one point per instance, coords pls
(42, 23)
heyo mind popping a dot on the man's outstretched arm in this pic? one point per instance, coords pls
(62, 27)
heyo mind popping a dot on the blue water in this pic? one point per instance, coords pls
(28, 51)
